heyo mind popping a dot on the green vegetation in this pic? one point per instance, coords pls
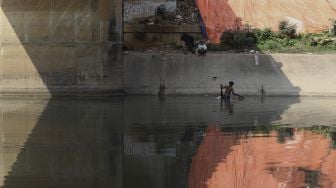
(287, 30)
(237, 40)
(329, 132)
(284, 133)
(286, 40)
(333, 27)
(315, 43)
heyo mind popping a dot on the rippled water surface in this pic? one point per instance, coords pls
(193, 142)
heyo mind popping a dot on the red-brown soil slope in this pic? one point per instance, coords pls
(309, 15)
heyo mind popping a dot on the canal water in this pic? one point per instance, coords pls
(151, 142)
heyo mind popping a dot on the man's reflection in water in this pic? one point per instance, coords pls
(228, 106)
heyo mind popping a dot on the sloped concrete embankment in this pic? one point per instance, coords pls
(276, 74)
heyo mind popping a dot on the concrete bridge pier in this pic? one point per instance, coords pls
(115, 38)
(61, 47)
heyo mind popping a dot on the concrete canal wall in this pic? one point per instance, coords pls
(276, 74)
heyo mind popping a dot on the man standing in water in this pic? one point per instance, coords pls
(228, 90)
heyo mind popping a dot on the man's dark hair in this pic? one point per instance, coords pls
(231, 83)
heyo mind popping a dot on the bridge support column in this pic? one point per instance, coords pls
(112, 13)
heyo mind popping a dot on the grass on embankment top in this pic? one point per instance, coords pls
(268, 41)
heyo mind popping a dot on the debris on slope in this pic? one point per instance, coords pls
(186, 13)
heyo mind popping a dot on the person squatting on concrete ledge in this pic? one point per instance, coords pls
(201, 48)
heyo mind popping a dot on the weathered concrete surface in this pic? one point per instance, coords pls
(60, 47)
(277, 74)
